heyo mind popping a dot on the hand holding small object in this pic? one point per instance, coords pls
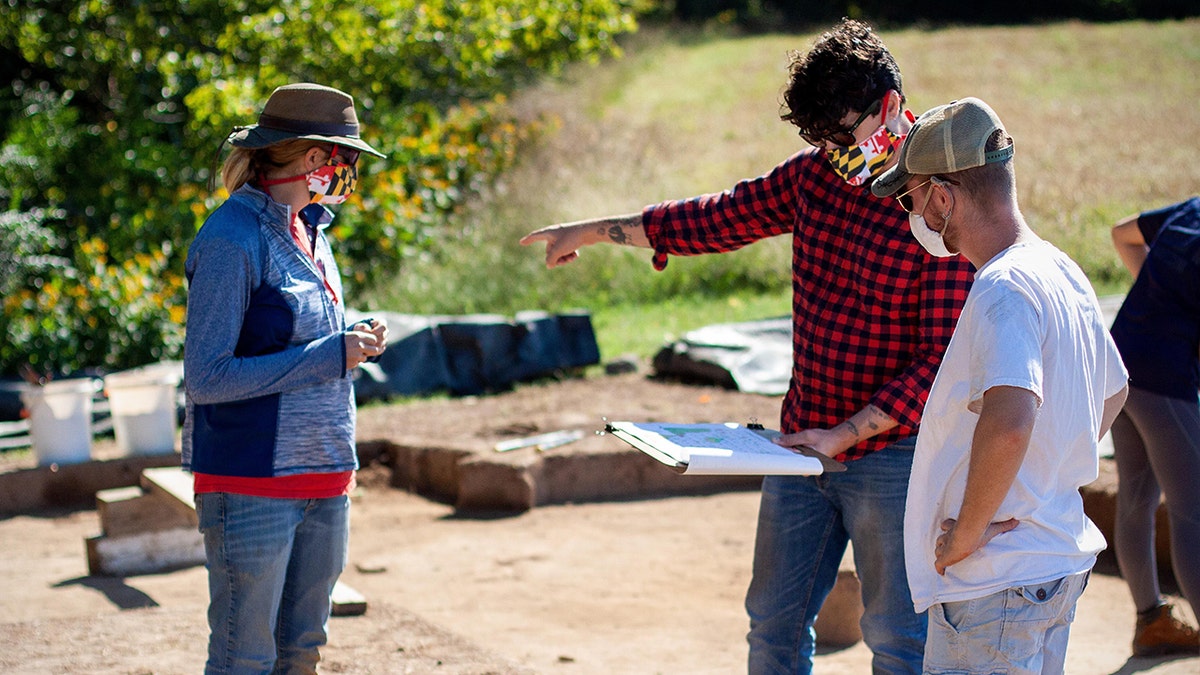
(365, 342)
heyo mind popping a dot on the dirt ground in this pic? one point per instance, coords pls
(635, 586)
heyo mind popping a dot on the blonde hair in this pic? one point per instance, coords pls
(246, 164)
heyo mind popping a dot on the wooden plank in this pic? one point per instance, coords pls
(174, 486)
(544, 441)
(13, 428)
(145, 553)
(102, 426)
(347, 601)
(13, 442)
(129, 510)
(169, 488)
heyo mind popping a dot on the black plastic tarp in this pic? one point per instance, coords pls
(474, 353)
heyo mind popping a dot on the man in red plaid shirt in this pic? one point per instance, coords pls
(872, 314)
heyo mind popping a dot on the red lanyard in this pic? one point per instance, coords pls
(312, 253)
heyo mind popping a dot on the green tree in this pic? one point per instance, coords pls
(117, 113)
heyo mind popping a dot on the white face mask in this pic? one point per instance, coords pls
(930, 240)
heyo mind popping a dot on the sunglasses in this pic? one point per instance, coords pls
(844, 138)
(343, 155)
(906, 201)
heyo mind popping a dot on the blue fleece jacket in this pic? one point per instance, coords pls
(264, 360)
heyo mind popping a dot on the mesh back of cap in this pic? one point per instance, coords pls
(951, 138)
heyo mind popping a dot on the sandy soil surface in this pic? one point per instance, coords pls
(636, 586)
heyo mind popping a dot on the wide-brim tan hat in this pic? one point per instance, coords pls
(305, 110)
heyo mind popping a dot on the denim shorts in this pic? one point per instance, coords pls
(1018, 630)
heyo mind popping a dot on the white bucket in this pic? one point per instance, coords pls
(60, 420)
(142, 403)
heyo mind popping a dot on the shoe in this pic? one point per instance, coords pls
(1159, 633)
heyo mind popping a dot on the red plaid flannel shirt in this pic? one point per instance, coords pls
(872, 311)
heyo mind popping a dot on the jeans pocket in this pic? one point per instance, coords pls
(210, 510)
(1031, 611)
(953, 615)
(1037, 602)
(964, 636)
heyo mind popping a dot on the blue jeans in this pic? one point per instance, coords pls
(1021, 630)
(272, 565)
(804, 523)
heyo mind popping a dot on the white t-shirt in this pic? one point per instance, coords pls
(1031, 321)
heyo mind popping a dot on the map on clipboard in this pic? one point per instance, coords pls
(720, 449)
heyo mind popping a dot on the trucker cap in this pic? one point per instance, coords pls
(945, 139)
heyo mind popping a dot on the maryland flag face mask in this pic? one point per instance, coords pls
(860, 163)
(332, 183)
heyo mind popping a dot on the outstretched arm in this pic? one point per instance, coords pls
(563, 241)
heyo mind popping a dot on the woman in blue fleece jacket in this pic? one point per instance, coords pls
(269, 433)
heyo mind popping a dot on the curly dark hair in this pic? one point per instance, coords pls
(848, 68)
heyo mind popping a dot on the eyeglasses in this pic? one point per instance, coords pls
(905, 200)
(343, 155)
(844, 138)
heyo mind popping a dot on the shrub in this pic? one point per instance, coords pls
(118, 112)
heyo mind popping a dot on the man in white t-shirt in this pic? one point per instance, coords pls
(997, 544)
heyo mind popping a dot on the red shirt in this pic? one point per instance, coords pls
(299, 486)
(872, 312)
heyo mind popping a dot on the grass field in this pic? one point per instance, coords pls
(1106, 119)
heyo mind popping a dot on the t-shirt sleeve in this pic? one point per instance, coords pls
(1006, 344)
(1115, 373)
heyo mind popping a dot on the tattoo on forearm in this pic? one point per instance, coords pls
(877, 415)
(617, 235)
(875, 423)
(853, 427)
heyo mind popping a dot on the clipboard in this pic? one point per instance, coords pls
(829, 464)
(720, 449)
